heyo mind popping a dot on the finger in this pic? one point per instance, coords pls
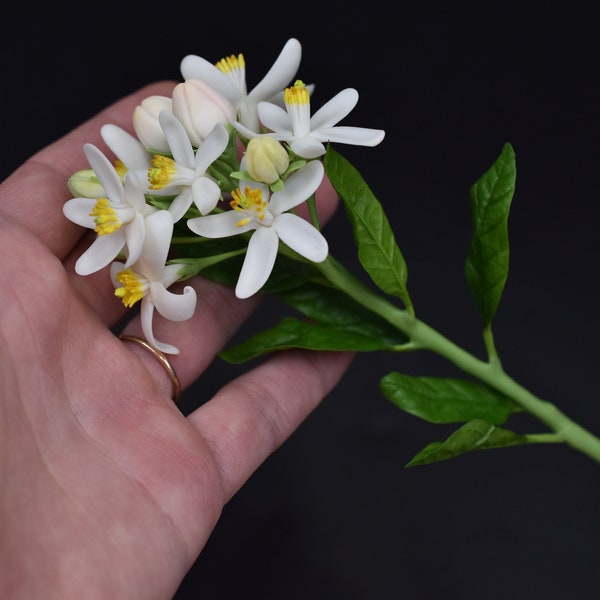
(254, 414)
(35, 193)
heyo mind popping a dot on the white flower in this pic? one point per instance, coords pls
(266, 159)
(306, 135)
(228, 77)
(118, 218)
(149, 277)
(185, 175)
(253, 209)
(146, 125)
(199, 107)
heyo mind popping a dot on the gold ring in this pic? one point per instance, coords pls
(162, 359)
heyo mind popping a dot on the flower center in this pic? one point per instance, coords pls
(134, 287)
(161, 171)
(105, 217)
(120, 168)
(251, 204)
(296, 94)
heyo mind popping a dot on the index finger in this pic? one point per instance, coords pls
(35, 193)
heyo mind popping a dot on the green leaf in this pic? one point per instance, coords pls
(474, 435)
(444, 400)
(292, 333)
(329, 306)
(487, 262)
(377, 249)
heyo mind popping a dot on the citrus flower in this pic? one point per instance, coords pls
(228, 77)
(185, 174)
(149, 278)
(118, 218)
(255, 209)
(307, 134)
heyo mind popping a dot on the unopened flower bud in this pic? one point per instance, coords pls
(199, 107)
(146, 125)
(85, 184)
(266, 159)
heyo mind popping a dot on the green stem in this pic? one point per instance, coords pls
(425, 337)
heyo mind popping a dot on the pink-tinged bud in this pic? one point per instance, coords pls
(266, 159)
(199, 108)
(146, 125)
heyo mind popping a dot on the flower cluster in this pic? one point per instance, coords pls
(222, 162)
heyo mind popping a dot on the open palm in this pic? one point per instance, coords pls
(108, 490)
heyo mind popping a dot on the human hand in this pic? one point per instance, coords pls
(109, 491)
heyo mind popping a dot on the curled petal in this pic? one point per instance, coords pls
(220, 225)
(302, 237)
(259, 262)
(298, 187)
(334, 110)
(103, 250)
(174, 307)
(146, 314)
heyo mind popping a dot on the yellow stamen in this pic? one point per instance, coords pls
(231, 63)
(161, 171)
(250, 201)
(134, 288)
(105, 217)
(297, 94)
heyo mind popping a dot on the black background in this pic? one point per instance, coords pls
(334, 513)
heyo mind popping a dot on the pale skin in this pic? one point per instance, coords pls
(107, 489)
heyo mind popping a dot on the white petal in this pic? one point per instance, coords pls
(106, 173)
(280, 74)
(220, 225)
(157, 241)
(259, 261)
(127, 148)
(275, 118)
(180, 204)
(135, 234)
(174, 307)
(298, 187)
(206, 194)
(146, 314)
(359, 136)
(308, 147)
(196, 67)
(78, 210)
(211, 148)
(335, 109)
(104, 249)
(177, 138)
(302, 237)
